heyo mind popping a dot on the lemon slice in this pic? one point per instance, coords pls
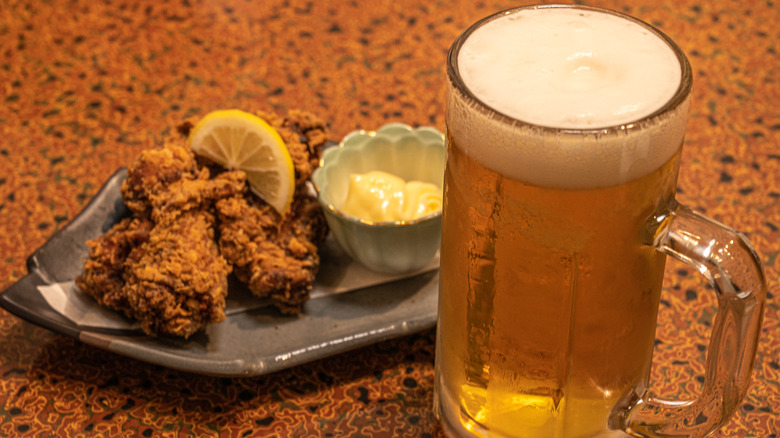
(239, 140)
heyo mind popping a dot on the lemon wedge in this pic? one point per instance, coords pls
(240, 140)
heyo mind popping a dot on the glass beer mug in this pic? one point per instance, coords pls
(565, 128)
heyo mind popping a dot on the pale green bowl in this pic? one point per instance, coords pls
(412, 154)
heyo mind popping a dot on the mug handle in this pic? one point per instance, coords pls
(732, 268)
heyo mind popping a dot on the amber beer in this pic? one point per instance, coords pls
(549, 289)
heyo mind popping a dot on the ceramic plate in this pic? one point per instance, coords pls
(252, 342)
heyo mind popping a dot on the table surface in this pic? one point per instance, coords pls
(85, 86)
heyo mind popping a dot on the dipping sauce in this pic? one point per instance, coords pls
(380, 197)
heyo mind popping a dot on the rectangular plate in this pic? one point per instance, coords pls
(250, 343)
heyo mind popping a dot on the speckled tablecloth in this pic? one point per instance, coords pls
(84, 86)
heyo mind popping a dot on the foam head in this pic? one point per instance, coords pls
(567, 68)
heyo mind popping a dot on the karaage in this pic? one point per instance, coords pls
(277, 256)
(176, 282)
(104, 270)
(171, 278)
(194, 223)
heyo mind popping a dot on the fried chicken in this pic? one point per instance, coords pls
(194, 223)
(170, 179)
(176, 282)
(152, 171)
(103, 277)
(277, 256)
(163, 266)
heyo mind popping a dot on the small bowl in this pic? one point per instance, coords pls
(392, 247)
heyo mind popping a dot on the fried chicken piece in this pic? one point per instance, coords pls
(176, 281)
(152, 171)
(103, 276)
(188, 194)
(277, 256)
(304, 135)
(165, 266)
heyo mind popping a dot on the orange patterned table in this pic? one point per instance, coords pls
(86, 86)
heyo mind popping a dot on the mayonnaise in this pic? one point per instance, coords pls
(379, 197)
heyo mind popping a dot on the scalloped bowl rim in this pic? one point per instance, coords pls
(348, 142)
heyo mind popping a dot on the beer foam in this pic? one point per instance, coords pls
(567, 68)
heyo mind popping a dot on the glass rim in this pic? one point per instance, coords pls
(679, 97)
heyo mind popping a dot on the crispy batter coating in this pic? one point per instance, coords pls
(163, 266)
(103, 277)
(152, 171)
(176, 282)
(277, 256)
(194, 223)
(305, 135)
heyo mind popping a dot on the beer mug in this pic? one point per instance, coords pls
(565, 128)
